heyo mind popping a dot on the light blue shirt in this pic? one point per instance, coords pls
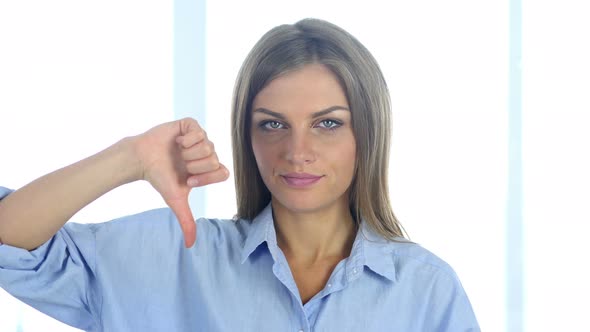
(134, 274)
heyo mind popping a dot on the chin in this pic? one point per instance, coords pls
(302, 203)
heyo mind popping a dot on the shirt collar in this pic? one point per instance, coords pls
(259, 230)
(377, 252)
(369, 248)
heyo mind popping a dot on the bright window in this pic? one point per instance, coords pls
(556, 164)
(75, 77)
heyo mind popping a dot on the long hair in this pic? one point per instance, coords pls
(289, 47)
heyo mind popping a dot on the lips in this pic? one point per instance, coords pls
(300, 180)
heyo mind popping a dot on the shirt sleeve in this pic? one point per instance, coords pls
(58, 278)
(450, 307)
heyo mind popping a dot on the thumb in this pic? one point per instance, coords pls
(184, 215)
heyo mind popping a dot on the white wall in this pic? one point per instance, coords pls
(556, 164)
(75, 77)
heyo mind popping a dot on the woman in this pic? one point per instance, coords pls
(315, 245)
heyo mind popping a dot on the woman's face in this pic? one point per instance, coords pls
(303, 140)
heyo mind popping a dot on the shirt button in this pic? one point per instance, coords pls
(354, 270)
(329, 285)
(300, 331)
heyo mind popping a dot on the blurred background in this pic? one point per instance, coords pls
(491, 109)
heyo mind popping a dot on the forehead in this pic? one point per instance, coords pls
(308, 89)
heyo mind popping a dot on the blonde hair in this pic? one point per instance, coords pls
(289, 47)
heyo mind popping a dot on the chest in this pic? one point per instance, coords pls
(310, 280)
(259, 295)
(360, 304)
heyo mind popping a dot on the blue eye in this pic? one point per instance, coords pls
(271, 125)
(330, 124)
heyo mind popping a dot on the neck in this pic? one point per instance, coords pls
(313, 237)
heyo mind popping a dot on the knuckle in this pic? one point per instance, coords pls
(199, 135)
(214, 164)
(207, 150)
(194, 167)
(213, 176)
(202, 166)
(190, 167)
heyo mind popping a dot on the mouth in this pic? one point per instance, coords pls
(300, 180)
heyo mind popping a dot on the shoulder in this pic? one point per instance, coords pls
(416, 269)
(228, 233)
(400, 255)
(160, 221)
(411, 263)
(413, 256)
(432, 281)
(161, 226)
(129, 235)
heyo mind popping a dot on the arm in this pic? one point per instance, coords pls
(169, 156)
(34, 213)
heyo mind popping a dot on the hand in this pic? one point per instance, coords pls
(175, 157)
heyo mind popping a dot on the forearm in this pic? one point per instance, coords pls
(33, 214)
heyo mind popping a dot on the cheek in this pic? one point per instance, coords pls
(264, 154)
(345, 157)
(341, 148)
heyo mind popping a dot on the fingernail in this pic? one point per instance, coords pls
(193, 182)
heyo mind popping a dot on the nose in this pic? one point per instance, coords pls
(299, 149)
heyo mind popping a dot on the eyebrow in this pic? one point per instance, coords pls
(313, 115)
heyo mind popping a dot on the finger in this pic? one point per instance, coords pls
(185, 218)
(201, 150)
(187, 125)
(201, 166)
(191, 138)
(219, 175)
